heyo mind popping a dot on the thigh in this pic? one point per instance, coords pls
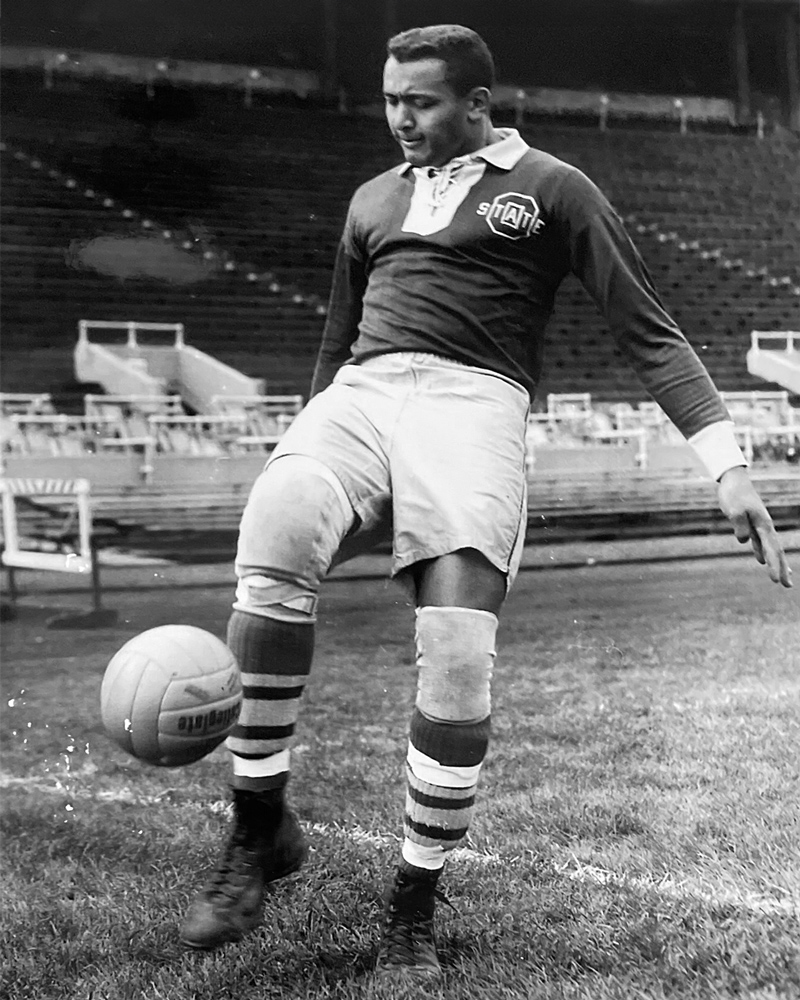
(464, 579)
(458, 472)
(343, 427)
(293, 524)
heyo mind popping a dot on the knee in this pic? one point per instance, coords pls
(455, 657)
(292, 526)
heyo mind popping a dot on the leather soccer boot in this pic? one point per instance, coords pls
(266, 844)
(408, 947)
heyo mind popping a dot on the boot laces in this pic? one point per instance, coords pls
(234, 869)
(408, 930)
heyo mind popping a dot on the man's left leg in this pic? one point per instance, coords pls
(458, 598)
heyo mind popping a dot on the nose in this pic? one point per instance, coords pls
(400, 117)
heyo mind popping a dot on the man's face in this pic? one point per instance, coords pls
(431, 124)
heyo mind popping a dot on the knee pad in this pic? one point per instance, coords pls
(455, 656)
(292, 526)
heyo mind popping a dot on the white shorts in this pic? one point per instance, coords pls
(431, 455)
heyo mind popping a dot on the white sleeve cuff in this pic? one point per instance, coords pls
(717, 448)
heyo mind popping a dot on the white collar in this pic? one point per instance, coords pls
(504, 154)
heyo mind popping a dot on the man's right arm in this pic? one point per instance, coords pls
(344, 311)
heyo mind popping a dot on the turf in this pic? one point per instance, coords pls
(638, 833)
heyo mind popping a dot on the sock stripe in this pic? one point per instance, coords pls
(427, 801)
(268, 713)
(262, 732)
(439, 811)
(458, 744)
(261, 767)
(436, 834)
(262, 693)
(243, 755)
(431, 772)
(429, 858)
(254, 749)
(264, 678)
(438, 819)
(438, 788)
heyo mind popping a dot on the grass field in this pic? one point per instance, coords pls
(638, 834)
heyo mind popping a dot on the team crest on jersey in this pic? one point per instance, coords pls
(512, 215)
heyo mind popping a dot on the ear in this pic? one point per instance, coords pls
(480, 102)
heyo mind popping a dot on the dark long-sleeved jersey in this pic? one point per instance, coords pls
(478, 284)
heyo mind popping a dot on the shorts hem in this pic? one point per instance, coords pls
(405, 562)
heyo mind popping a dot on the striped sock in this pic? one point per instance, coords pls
(275, 661)
(443, 766)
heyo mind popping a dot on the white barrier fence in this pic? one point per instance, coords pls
(76, 534)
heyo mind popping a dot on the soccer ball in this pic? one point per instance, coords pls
(170, 695)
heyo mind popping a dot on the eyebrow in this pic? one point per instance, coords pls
(428, 94)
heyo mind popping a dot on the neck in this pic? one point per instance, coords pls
(492, 135)
(487, 137)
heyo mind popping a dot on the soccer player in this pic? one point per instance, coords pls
(443, 284)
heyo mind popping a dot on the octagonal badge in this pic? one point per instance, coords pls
(513, 215)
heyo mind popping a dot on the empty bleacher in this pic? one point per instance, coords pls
(115, 424)
(250, 203)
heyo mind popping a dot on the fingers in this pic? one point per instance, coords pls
(742, 528)
(769, 551)
(752, 523)
(756, 543)
(785, 574)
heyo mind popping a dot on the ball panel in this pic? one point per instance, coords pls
(146, 710)
(202, 689)
(194, 735)
(171, 695)
(163, 645)
(118, 695)
(184, 648)
(201, 723)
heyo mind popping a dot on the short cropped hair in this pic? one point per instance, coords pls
(467, 57)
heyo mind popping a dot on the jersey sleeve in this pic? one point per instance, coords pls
(609, 266)
(344, 307)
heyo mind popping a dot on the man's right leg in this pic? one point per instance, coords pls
(292, 527)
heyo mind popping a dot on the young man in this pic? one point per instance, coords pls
(444, 281)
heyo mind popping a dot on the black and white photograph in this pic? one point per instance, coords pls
(400, 486)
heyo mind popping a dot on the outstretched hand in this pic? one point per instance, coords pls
(752, 523)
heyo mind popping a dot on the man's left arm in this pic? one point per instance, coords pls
(611, 269)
